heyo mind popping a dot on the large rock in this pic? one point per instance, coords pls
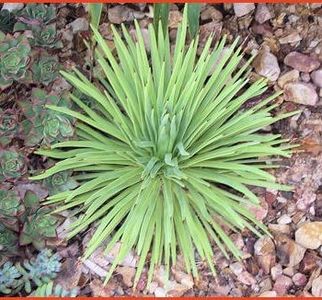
(317, 287)
(266, 65)
(262, 14)
(309, 235)
(317, 78)
(302, 93)
(282, 285)
(301, 62)
(289, 76)
(242, 9)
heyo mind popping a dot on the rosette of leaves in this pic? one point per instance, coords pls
(167, 163)
(10, 278)
(43, 125)
(37, 228)
(12, 164)
(60, 182)
(35, 14)
(56, 290)
(8, 240)
(9, 126)
(34, 272)
(7, 20)
(10, 208)
(45, 37)
(14, 59)
(45, 69)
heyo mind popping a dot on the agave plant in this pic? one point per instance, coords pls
(35, 14)
(165, 165)
(45, 37)
(14, 59)
(43, 125)
(45, 69)
(9, 126)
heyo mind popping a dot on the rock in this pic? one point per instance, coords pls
(290, 76)
(289, 253)
(246, 278)
(175, 17)
(299, 279)
(317, 287)
(309, 235)
(183, 278)
(276, 271)
(79, 25)
(211, 13)
(291, 38)
(279, 228)
(266, 65)
(264, 249)
(175, 289)
(284, 219)
(268, 294)
(289, 271)
(160, 292)
(309, 263)
(242, 9)
(282, 285)
(305, 201)
(12, 6)
(259, 211)
(262, 14)
(317, 78)
(121, 13)
(302, 93)
(127, 275)
(237, 268)
(301, 62)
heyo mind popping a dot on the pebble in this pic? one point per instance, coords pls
(80, 24)
(317, 78)
(284, 219)
(309, 235)
(268, 294)
(276, 271)
(266, 65)
(317, 287)
(289, 253)
(301, 93)
(211, 13)
(242, 9)
(264, 250)
(291, 38)
(262, 14)
(299, 279)
(237, 268)
(309, 263)
(12, 6)
(246, 278)
(160, 292)
(282, 285)
(289, 271)
(289, 76)
(280, 228)
(301, 62)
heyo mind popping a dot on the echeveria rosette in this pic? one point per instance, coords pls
(12, 164)
(45, 37)
(60, 182)
(11, 208)
(7, 21)
(14, 59)
(10, 278)
(8, 240)
(9, 126)
(37, 228)
(43, 125)
(45, 69)
(166, 163)
(36, 14)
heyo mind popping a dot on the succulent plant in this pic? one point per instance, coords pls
(14, 59)
(12, 164)
(10, 208)
(10, 278)
(7, 21)
(9, 126)
(39, 271)
(60, 182)
(45, 37)
(166, 164)
(45, 69)
(8, 240)
(49, 289)
(35, 14)
(37, 228)
(43, 125)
